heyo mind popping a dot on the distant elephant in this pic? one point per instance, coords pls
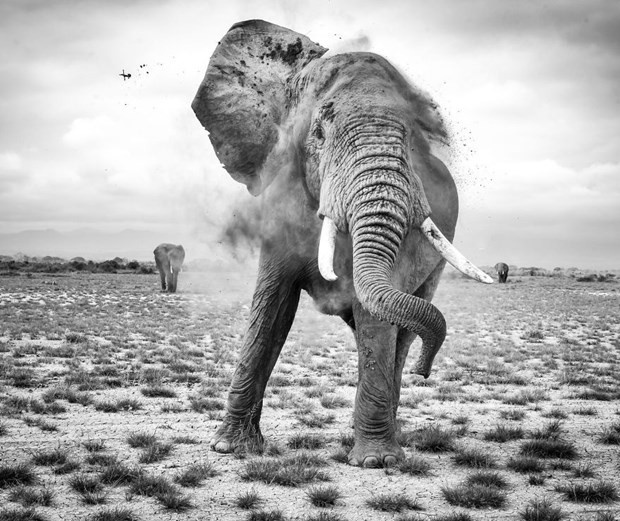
(502, 272)
(338, 149)
(169, 259)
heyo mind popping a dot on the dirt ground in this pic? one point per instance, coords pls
(540, 354)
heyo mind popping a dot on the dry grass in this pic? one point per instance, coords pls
(525, 383)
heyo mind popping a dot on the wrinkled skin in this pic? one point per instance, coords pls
(344, 137)
(502, 272)
(169, 259)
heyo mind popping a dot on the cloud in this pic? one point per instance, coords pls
(530, 90)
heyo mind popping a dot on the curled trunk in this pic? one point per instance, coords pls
(375, 244)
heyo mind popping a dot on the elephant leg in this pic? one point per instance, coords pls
(375, 435)
(162, 274)
(172, 286)
(405, 337)
(169, 279)
(273, 309)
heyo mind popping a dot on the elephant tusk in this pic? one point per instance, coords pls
(451, 254)
(327, 247)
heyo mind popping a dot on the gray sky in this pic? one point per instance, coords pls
(531, 91)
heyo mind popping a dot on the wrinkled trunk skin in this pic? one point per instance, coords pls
(378, 226)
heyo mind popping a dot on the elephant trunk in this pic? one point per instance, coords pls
(377, 234)
(383, 200)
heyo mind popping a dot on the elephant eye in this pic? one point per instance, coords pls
(318, 132)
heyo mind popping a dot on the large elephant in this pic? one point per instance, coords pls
(502, 272)
(337, 147)
(169, 259)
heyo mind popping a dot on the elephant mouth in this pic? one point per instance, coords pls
(327, 247)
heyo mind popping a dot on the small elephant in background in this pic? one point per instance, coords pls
(169, 259)
(502, 272)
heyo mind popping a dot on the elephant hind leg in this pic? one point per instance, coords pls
(405, 337)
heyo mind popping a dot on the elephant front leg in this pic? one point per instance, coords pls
(273, 310)
(374, 422)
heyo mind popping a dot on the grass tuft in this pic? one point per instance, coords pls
(20, 514)
(306, 441)
(50, 457)
(549, 448)
(502, 433)
(324, 496)
(475, 496)
(18, 474)
(114, 514)
(592, 492)
(541, 510)
(158, 391)
(415, 466)
(196, 474)
(117, 474)
(487, 479)
(140, 440)
(248, 500)
(266, 515)
(525, 464)
(155, 452)
(290, 472)
(476, 458)
(27, 496)
(434, 439)
(393, 502)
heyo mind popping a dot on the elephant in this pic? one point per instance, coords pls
(169, 259)
(338, 150)
(502, 272)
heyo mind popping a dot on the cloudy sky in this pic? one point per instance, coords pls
(531, 90)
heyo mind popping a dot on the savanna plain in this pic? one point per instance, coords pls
(111, 390)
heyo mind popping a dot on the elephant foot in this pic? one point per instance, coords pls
(375, 454)
(237, 437)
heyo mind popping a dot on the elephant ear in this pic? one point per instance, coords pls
(243, 97)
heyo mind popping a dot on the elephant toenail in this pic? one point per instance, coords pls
(389, 461)
(371, 462)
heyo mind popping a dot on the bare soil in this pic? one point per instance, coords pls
(549, 347)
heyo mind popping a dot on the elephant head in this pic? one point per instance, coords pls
(355, 131)
(169, 259)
